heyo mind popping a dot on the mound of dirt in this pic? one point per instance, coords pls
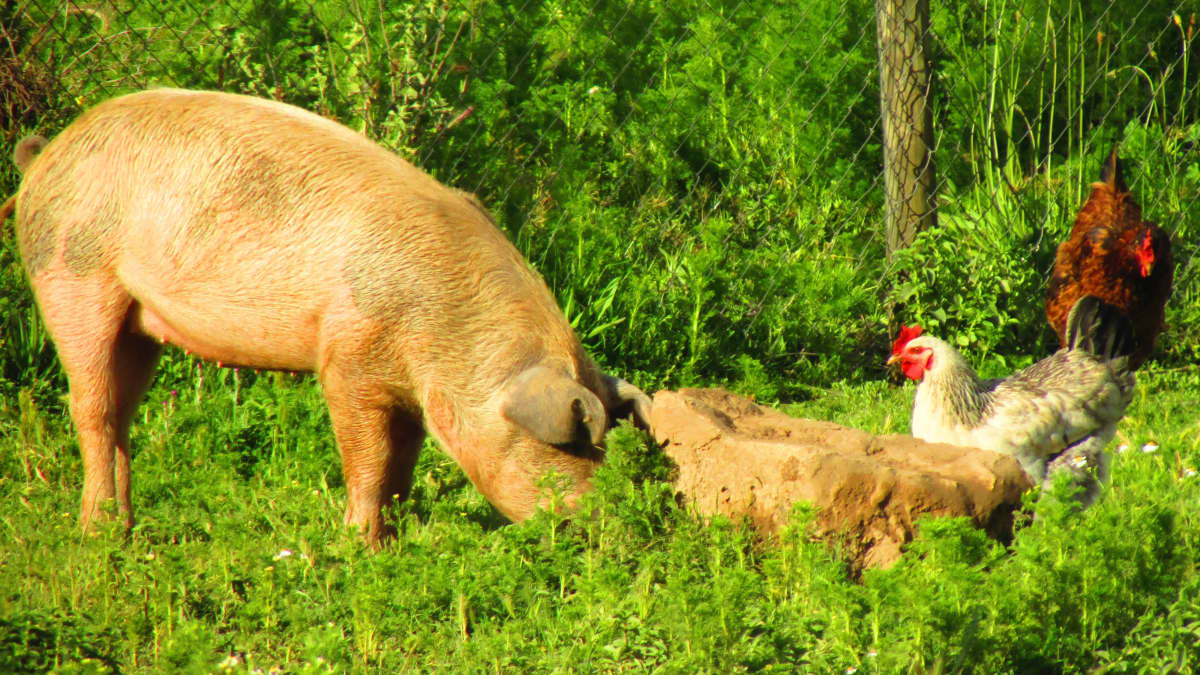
(739, 459)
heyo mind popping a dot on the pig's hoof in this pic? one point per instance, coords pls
(375, 535)
(380, 537)
(107, 527)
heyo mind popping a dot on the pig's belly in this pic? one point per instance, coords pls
(258, 307)
(267, 338)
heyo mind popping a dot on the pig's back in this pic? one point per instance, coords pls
(192, 175)
(247, 221)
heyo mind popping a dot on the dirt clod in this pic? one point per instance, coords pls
(739, 459)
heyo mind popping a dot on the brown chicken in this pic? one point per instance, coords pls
(1114, 255)
(1058, 414)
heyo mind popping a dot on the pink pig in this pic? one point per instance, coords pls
(254, 233)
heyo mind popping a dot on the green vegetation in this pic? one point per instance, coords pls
(698, 183)
(632, 582)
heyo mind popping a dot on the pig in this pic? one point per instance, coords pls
(254, 233)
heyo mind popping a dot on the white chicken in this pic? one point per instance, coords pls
(1058, 414)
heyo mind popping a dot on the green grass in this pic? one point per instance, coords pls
(224, 488)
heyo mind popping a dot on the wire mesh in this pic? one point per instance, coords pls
(713, 167)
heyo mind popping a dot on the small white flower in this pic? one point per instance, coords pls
(872, 654)
(1150, 447)
(851, 670)
(1188, 472)
(1123, 447)
(1079, 461)
(230, 662)
(283, 554)
(593, 91)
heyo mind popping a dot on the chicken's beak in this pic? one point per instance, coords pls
(894, 358)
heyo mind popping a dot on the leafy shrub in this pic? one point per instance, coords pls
(40, 641)
(697, 182)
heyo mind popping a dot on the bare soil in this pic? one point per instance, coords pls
(741, 460)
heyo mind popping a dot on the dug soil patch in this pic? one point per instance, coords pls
(742, 460)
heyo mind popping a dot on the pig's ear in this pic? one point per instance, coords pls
(628, 399)
(553, 408)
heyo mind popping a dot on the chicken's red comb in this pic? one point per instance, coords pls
(906, 333)
(1145, 249)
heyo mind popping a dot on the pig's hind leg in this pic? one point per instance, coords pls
(108, 369)
(379, 445)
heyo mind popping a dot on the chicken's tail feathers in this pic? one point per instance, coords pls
(1101, 329)
(1112, 172)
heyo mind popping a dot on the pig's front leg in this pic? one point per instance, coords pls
(379, 445)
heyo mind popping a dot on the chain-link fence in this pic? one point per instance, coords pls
(702, 183)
